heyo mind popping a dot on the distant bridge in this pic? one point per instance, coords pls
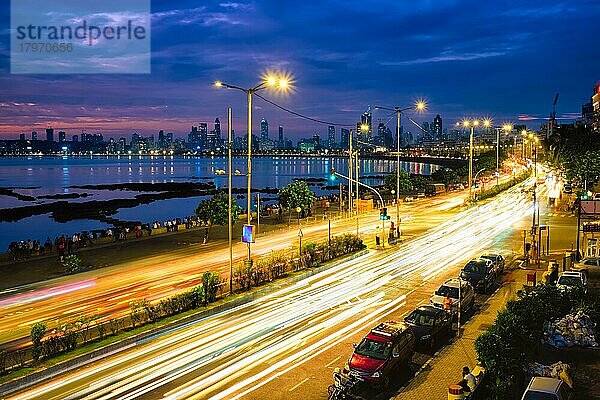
(451, 163)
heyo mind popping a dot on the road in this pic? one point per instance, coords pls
(107, 292)
(284, 345)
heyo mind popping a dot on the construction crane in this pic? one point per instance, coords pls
(552, 119)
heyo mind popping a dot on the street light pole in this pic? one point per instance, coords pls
(350, 162)
(229, 206)
(398, 120)
(419, 106)
(269, 81)
(471, 162)
(497, 156)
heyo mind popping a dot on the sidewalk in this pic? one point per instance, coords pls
(444, 369)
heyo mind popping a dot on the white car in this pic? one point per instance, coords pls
(571, 279)
(543, 388)
(450, 289)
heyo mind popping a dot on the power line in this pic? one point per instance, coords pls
(301, 115)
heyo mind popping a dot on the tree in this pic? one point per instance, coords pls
(38, 330)
(445, 176)
(419, 182)
(215, 210)
(72, 264)
(405, 183)
(297, 194)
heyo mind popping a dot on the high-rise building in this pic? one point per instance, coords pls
(331, 136)
(122, 146)
(193, 138)
(22, 137)
(62, 136)
(203, 132)
(213, 138)
(50, 135)
(34, 135)
(344, 138)
(218, 137)
(169, 141)
(161, 140)
(384, 136)
(437, 127)
(75, 138)
(281, 139)
(596, 108)
(364, 129)
(317, 141)
(264, 129)
(426, 131)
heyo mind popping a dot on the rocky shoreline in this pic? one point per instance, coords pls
(102, 210)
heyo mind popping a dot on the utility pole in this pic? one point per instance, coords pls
(350, 162)
(229, 200)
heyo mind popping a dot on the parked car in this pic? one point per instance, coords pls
(450, 289)
(543, 388)
(498, 261)
(596, 196)
(429, 324)
(587, 265)
(569, 280)
(387, 348)
(409, 199)
(480, 273)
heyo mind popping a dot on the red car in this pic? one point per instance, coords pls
(387, 348)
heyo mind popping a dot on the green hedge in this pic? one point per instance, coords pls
(507, 346)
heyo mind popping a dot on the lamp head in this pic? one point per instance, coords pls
(218, 84)
(420, 105)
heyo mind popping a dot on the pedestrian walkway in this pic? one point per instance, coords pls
(444, 369)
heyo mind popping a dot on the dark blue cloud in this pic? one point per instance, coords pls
(502, 58)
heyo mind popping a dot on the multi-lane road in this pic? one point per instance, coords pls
(108, 292)
(284, 345)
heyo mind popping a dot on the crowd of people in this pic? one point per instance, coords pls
(64, 245)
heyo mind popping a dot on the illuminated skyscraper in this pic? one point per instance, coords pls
(331, 136)
(437, 128)
(264, 129)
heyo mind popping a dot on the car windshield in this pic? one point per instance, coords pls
(569, 280)
(447, 291)
(419, 318)
(491, 258)
(475, 267)
(374, 349)
(530, 395)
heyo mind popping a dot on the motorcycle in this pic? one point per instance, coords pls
(342, 386)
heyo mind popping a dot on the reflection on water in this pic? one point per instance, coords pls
(36, 176)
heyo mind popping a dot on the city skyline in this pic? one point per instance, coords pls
(452, 53)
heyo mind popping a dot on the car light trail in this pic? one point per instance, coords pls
(232, 353)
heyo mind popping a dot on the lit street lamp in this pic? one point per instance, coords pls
(471, 124)
(280, 82)
(419, 106)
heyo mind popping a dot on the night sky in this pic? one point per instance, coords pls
(502, 59)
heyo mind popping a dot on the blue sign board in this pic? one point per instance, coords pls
(248, 234)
